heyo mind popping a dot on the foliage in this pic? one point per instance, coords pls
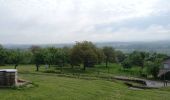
(137, 58)
(3, 56)
(66, 53)
(27, 57)
(153, 67)
(100, 55)
(119, 56)
(109, 55)
(53, 56)
(38, 58)
(84, 53)
(15, 57)
(126, 64)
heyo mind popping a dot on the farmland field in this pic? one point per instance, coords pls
(50, 86)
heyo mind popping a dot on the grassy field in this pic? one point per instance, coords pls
(50, 86)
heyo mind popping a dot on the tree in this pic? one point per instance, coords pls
(153, 67)
(137, 58)
(109, 54)
(3, 55)
(27, 57)
(54, 56)
(75, 56)
(89, 58)
(126, 64)
(84, 53)
(66, 53)
(154, 63)
(59, 58)
(34, 48)
(119, 56)
(100, 55)
(15, 57)
(153, 56)
(49, 56)
(38, 58)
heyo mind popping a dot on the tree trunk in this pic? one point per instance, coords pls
(63, 63)
(61, 69)
(16, 66)
(37, 67)
(72, 66)
(108, 69)
(106, 63)
(84, 66)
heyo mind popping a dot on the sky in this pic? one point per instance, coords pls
(67, 21)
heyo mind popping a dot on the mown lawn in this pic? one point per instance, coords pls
(52, 87)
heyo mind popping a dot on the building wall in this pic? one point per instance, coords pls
(2, 79)
(166, 66)
(7, 78)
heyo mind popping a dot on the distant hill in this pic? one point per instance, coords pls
(27, 46)
(158, 46)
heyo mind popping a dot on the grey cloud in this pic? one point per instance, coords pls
(32, 21)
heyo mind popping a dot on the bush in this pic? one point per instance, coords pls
(152, 68)
(126, 64)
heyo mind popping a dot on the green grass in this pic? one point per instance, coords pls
(117, 69)
(52, 87)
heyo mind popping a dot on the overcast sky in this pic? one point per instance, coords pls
(65, 21)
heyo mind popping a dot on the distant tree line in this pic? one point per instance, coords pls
(82, 53)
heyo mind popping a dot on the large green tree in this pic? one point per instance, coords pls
(100, 55)
(54, 56)
(38, 58)
(153, 67)
(137, 58)
(66, 53)
(119, 56)
(27, 57)
(15, 57)
(84, 53)
(109, 55)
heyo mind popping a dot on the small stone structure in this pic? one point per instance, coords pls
(8, 77)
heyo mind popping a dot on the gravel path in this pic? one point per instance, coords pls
(149, 83)
(156, 84)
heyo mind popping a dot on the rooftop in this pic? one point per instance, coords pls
(8, 70)
(167, 61)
